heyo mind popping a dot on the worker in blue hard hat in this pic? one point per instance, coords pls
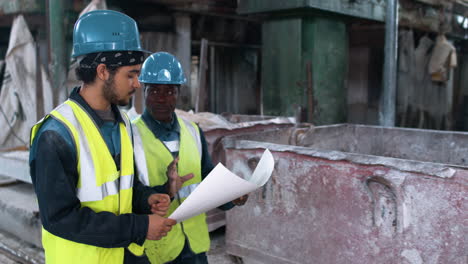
(81, 157)
(167, 146)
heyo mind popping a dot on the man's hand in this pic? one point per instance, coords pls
(241, 200)
(158, 227)
(159, 203)
(175, 182)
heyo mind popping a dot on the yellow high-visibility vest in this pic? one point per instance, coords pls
(152, 158)
(101, 187)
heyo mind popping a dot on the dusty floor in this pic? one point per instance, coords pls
(14, 251)
(217, 253)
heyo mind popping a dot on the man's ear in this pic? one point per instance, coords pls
(102, 72)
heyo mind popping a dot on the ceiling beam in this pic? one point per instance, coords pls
(8, 7)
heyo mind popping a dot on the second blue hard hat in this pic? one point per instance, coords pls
(162, 68)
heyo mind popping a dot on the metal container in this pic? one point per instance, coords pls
(243, 124)
(352, 194)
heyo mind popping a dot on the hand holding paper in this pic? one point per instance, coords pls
(222, 186)
(241, 200)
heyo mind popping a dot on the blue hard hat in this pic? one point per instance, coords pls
(162, 68)
(105, 30)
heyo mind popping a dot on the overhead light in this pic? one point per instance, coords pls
(462, 21)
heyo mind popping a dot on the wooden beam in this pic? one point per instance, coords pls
(20, 6)
(419, 16)
(203, 67)
(372, 10)
(34, 21)
(432, 18)
(444, 3)
(183, 28)
(229, 45)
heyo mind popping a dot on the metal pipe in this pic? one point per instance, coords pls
(57, 57)
(310, 93)
(388, 98)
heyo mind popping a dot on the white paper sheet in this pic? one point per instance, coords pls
(222, 186)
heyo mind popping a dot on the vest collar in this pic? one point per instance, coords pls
(75, 96)
(159, 128)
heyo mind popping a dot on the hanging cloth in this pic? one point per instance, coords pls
(443, 59)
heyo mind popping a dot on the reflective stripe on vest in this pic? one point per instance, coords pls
(100, 186)
(142, 169)
(193, 129)
(172, 146)
(88, 191)
(185, 191)
(152, 158)
(140, 157)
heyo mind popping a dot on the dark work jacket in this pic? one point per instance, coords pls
(171, 132)
(53, 169)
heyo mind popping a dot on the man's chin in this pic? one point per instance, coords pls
(123, 102)
(165, 117)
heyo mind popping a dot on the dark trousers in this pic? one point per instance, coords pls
(188, 257)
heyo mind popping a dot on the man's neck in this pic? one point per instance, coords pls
(168, 122)
(92, 94)
(161, 121)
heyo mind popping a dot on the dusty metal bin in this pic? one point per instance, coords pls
(242, 124)
(353, 194)
(238, 125)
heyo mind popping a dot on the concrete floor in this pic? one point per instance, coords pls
(217, 253)
(6, 260)
(14, 251)
(19, 217)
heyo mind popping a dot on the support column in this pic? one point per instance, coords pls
(388, 100)
(57, 56)
(289, 45)
(184, 52)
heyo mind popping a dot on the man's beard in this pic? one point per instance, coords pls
(110, 94)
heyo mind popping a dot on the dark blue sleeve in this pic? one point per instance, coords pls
(206, 163)
(140, 196)
(53, 169)
(160, 188)
(207, 166)
(111, 134)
